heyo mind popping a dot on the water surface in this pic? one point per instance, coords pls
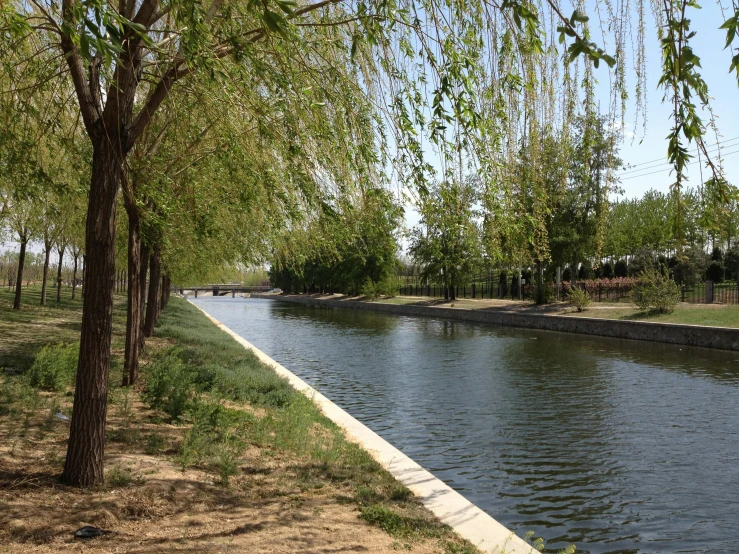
(616, 446)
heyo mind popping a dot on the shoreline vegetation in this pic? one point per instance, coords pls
(707, 315)
(211, 452)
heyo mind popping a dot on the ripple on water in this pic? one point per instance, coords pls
(616, 446)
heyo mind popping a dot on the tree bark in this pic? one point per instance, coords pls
(74, 275)
(86, 448)
(59, 276)
(133, 310)
(47, 254)
(169, 291)
(163, 295)
(153, 296)
(19, 280)
(144, 257)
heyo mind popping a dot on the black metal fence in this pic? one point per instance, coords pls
(599, 291)
(711, 293)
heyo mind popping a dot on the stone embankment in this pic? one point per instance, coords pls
(721, 338)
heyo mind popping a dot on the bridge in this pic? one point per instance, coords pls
(224, 289)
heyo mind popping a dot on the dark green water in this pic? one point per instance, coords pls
(615, 446)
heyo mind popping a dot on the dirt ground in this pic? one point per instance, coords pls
(280, 503)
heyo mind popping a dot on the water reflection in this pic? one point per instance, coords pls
(617, 446)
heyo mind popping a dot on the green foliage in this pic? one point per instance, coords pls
(397, 525)
(656, 292)
(16, 397)
(215, 437)
(169, 385)
(388, 286)
(347, 246)
(579, 298)
(370, 290)
(621, 269)
(447, 240)
(54, 367)
(118, 477)
(690, 267)
(154, 443)
(715, 271)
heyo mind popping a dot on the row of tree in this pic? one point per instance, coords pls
(558, 212)
(220, 129)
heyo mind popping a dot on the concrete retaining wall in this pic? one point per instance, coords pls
(690, 335)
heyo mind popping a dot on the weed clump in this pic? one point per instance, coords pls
(656, 292)
(579, 298)
(169, 386)
(54, 367)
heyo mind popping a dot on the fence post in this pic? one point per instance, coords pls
(683, 291)
(709, 292)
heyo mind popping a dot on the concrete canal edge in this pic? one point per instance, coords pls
(721, 338)
(467, 520)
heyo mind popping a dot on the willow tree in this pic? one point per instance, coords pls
(428, 68)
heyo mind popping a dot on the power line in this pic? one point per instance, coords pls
(665, 162)
(669, 168)
(662, 160)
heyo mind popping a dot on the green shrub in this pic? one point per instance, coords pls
(656, 292)
(215, 437)
(17, 397)
(169, 386)
(118, 477)
(388, 286)
(579, 298)
(370, 290)
(54, 367)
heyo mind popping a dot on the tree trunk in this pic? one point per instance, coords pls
(19, 280)
(152, 300)
(59, 276)
(133, 310)
(47, 254)
(144, 257)
(86, 448)
(74, 275)
(163, 295)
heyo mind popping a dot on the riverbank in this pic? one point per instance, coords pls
(551, 317)
(706, 315)
(215, 453)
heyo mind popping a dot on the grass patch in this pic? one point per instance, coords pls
(400, 526)
(54, 367)
(205, 405)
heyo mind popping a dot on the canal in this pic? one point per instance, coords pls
(616, 446)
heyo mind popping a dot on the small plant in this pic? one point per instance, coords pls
(579, 298)
(400, 526)
(154, 443)
(227, 464)
(54, 367)
(398, 492)
(370, 290)
(126, 407)
(388, 287)
(169, 387)
(656, 292)
(119, 477)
